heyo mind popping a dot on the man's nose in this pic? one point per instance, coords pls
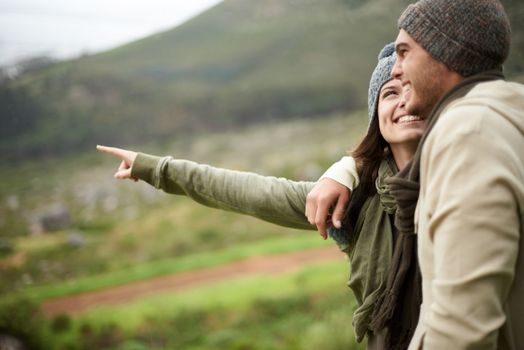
(403, 97)
(396, 72)
(402, 101)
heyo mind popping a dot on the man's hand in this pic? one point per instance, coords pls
(127, 157)
(327, 194)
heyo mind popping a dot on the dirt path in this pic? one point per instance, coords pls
(272, 264)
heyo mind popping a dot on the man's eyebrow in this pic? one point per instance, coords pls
(400, 46)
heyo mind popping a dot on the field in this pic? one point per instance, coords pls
(68, 229)
(122, 232)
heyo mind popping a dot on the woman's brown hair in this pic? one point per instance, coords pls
(368, 155)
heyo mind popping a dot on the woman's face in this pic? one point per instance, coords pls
(398, 128)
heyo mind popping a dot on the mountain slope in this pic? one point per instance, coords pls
(240, 62)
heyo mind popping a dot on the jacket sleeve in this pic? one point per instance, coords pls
(473, 226)
(344, 172)
(276, 200)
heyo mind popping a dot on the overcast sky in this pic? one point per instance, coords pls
(68, 28)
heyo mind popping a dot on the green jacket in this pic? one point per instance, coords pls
(276, 200)
(281, 201)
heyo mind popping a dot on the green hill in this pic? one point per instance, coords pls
(241, 62)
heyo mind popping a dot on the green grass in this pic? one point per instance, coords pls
(149, 234)
(144, 225)
(302, 241)
(235, 294)
(307, 309)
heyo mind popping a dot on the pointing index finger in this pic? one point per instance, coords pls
(109, 150)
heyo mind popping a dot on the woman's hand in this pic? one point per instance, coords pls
(326, 195)
(127, 157)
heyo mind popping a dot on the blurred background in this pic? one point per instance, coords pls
(278, 87)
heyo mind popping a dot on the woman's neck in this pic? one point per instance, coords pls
(402, 154)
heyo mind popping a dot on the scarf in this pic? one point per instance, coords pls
(399, 307)
(369, 245)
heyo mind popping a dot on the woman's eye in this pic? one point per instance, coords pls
(388, 93)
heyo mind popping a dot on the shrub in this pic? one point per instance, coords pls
(22, 319)
(61, 323)
(333, 333)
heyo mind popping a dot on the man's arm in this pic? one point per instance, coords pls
(344, 172)
(332, 191)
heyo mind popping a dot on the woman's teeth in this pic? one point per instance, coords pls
(408, 118)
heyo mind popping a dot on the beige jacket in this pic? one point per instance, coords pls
(470, 223)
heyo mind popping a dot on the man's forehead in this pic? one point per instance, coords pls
(403, 38)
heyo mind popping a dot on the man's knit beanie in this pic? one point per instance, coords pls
(468, 36)
(380, 76)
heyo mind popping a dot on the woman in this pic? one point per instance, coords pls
(390, 142)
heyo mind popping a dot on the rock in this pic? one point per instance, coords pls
(6, 247)
(110, 203)
(27, 280)
(55, 218)
(76, 239)
(9, 342)
(35, 227)
(12, 202)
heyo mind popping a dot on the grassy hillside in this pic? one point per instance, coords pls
(308, 309)
(122, 231)
(515, 64)
(240, 62)
(129, 224)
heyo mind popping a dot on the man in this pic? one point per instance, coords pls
(470, 167)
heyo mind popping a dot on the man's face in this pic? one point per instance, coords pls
(424, 79)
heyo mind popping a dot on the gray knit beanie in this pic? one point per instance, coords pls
(468, 36)
(380, 76)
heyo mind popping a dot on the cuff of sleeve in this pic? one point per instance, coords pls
(144, 167)
(344, 172)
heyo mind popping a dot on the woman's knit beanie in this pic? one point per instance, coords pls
(380, 76)
(468, 36)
